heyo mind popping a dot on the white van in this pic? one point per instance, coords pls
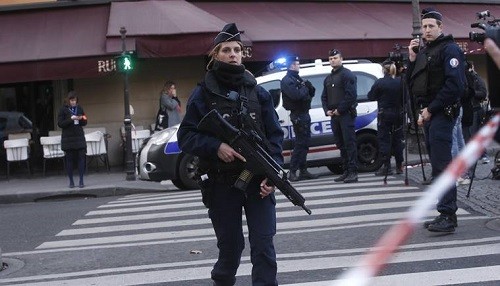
(160, 158)
(322, 151)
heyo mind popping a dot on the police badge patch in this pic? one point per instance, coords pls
(454, 63)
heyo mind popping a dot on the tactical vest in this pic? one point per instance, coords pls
(229, 105)
(335, 91)
(293, 105)
(428, 75)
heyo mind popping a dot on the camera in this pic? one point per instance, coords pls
(399, 56)
(491, 28)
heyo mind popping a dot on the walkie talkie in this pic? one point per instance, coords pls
(416, 49)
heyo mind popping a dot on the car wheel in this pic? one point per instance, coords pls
(186, 172)
(368, 155)
(335, 168)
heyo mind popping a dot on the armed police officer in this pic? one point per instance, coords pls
(297, 96)
(436, 77)
(388, 92)
(339, 102)
(232, 90)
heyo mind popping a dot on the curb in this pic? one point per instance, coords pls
(101, 191)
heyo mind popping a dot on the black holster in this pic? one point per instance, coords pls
(205, 182)
(452, 111)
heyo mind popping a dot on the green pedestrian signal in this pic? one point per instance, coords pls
(124, 63)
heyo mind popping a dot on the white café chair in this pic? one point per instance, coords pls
(88, 130)
(138, 137)
(55, 132)
(96, 148)
(26, 135)
(17, 150)
(51, 146)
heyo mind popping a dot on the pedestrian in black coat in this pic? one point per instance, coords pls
(71, 119)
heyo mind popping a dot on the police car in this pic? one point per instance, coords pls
(161, 159)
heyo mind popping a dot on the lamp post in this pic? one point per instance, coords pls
(416, 19)
(129, 160)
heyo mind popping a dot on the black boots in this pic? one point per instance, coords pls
(442, 223)
(347, 177)
(341, 178)
(352, 177)
(305, 175)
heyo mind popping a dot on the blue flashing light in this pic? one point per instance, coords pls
(278, 64)
(280, 61)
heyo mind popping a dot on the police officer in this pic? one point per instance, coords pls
(436, 76)
(388, 93)
(339, 102)
(231, 90)
(297, 96)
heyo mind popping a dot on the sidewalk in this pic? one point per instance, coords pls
(484, 195)
(23, 188)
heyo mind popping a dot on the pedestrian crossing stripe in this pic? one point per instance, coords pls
(195, 270)
(184, 209)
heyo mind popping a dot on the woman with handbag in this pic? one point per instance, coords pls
(170, 107)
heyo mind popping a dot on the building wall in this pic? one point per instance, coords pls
(103, 98)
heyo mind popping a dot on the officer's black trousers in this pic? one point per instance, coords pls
(226, 215)
(390, 138)
(302, 129)
(344, 137)
(438, 139)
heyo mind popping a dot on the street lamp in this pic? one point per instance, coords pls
(125, 65)
(416, 19)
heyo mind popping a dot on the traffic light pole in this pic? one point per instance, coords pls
(129, 160)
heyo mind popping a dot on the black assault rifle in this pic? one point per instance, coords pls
(248, 144)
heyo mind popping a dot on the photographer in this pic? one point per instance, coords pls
(436, 77)
(388, 93)
(494, 51)
(297, 96)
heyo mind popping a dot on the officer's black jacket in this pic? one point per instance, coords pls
(295, 92)
(387, 92)
(451, 59)
(348, 82)
(205, 145)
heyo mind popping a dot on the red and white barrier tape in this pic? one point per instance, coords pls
(377, 257)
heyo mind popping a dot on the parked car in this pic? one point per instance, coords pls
(13, 122)
(161, 159)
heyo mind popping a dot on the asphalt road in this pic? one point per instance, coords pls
(167, 239)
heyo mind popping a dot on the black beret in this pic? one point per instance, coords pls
(229, 33)
(334, 52)
(431, 13)
(291, 59)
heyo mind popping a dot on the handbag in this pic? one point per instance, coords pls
(161, 119)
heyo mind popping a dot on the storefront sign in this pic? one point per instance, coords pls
(105, 66)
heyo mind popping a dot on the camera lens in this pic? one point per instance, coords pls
(476, 37)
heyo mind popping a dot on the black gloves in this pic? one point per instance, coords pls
(310, 87)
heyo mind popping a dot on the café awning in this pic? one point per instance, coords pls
(81, 41)
(359, 29)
